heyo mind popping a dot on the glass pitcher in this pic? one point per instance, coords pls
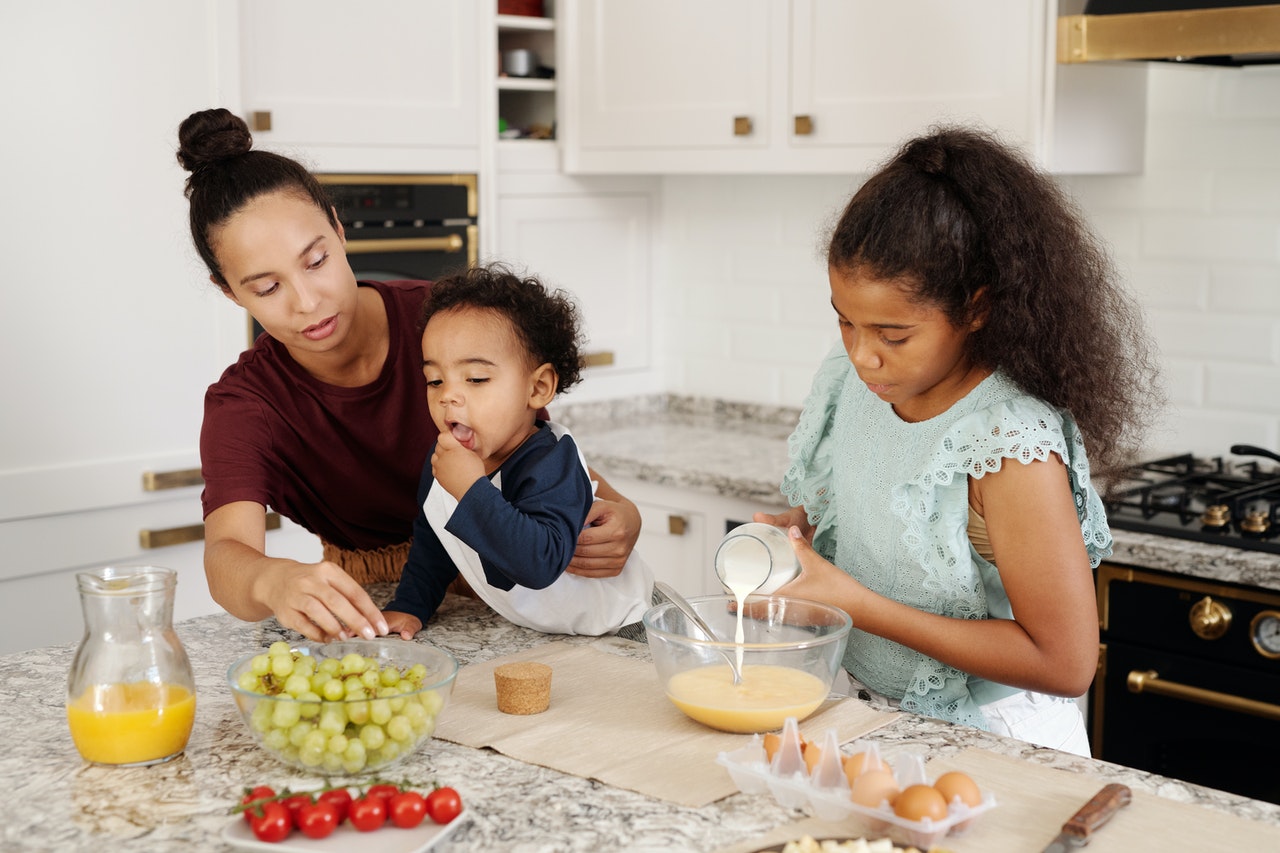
(755, 558)
(130, 695)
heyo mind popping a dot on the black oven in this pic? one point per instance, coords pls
(404, 226)
(1188, 681)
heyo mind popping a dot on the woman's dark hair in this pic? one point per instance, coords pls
(215, 146)
(966, 224)
(545, 320)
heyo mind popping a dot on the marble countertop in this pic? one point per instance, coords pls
(740, 451)
(56, 802)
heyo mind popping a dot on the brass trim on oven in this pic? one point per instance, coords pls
(1109, 573)
(463, 180)
(452, 243)
(1099, 701)
(1149, 681)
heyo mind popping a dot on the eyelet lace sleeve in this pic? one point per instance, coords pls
(808, 481)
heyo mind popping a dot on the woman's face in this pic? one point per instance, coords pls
(908, 353)
(286, 265)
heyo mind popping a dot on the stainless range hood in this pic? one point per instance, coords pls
(1221, 33)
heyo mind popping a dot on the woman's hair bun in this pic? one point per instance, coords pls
(211, 135)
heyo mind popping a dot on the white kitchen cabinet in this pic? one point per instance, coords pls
(591, 237)
(388, 85)
(828, 86)
(681, 529)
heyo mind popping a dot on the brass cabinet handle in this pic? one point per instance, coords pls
(677, 525)
(149, 539)
(356, 246)
(604, 358)
(804, 125)
(260, 120)
(1149, 681)
(741, 125)
(155, 481)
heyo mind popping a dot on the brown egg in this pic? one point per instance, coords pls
(860, 762)
(917, 802)
(956, 784)
(771, 743)
(874, 787)
(812, 755)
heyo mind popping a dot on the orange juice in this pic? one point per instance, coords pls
(131, 723)
(767, 695)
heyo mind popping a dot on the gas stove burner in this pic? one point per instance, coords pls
(1207, 499)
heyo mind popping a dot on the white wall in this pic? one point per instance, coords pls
(743, 300)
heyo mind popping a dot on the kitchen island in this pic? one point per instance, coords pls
(56, 802)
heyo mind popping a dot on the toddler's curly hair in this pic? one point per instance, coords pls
(546, 320)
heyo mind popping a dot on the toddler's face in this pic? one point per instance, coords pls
(909, 354)
(480, 382)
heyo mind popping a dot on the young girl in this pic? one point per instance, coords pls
(325, 417)
(505, 494)
(939, 466)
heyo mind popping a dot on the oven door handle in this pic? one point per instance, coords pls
(1149, 681)
(451, 243)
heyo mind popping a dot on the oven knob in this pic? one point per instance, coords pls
(1255, 523)
(1210, 619)
(1217, 516)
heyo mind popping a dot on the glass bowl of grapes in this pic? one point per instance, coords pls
(347, 708)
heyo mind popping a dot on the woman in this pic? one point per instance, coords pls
(325, 418)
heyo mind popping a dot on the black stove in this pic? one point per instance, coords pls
(1236, 503)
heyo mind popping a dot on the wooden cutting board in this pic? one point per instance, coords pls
(1033, 801)
(611, 720)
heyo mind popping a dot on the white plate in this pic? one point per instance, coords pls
(347, 839)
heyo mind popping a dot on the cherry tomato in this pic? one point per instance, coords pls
(317, 820)
(294, 804)
(443, 805)
(251, 794)
(407, 809)
(340, 799)
(273, 824)
(383, 791)
(368, 813)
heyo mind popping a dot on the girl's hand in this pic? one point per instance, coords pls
(321, 602)
(404, 624)
(819, 580)
(797, 516)
(454, 466)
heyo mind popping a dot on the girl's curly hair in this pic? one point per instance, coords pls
(546, 321)
(976, 230)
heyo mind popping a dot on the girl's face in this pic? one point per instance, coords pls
(286, 265)
(909, 354)
(481, 383)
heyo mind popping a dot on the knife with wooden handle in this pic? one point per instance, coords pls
(1077, 831)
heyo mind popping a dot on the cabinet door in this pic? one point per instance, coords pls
(384, 73)
(597, 247)
(673, 543)
(871, 73)
(670, 73)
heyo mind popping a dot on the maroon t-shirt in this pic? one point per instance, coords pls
(342, 462)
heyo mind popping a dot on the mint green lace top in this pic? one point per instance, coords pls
(890, 504)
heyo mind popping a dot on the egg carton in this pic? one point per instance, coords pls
(825, 790)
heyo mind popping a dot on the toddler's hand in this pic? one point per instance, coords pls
(454, 466)
(404, 624)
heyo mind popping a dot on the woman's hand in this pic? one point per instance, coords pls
(318, 600)
(797, 516)
(611, 531)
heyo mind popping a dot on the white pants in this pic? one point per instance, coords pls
(1053, 721)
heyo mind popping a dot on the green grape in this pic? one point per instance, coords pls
(332, 762)
(279, 647)
(369, 678)
(309, 705)
(260, 665)
(281, 666)
(297, 684)
(299, 731)
(399, 728)
(358, 712)
(309, 756)
(304, 665)
(260, 719)
(276, 739)
(432, 701)
(355, 758)
(416, 715)
(285, 714)
(352, 664)
(247, 681)
(379, 711)
(417, 673)
(333, 719)
(330, 666)
(333, 690)
(353, 689)
(337, 744)
(372, 736)
(316, 740)
(390, 676)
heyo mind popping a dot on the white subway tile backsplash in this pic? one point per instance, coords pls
(1196, 237)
